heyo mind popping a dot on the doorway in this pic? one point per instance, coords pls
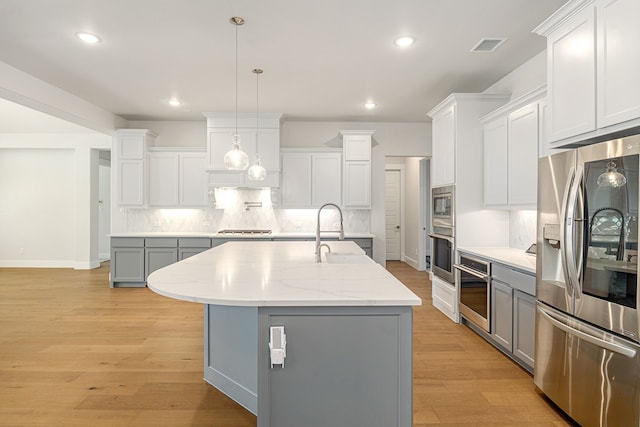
(393, 213)
(407, 210)
(104, 204)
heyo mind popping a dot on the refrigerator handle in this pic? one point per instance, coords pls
(611, 346)
(579, 226)
(566, 232)
(573, 232)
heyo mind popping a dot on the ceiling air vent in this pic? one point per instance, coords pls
(487, 45)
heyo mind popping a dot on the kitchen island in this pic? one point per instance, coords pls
(347, 325)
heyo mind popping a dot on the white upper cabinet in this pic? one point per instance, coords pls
(177, 178)
(618, 59)
(512, 135)
(356, 185)
(572, 76)
(326, 178)
(264, 141)
(163, 179)
(443, 149)
(523, 157)
(295, 191)
(593, 63)
(456, 150)
(495, 162)
(193, 179)
(131, 167)
(311, 178)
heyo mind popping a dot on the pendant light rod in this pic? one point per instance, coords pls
(257, 72)
(257, 172)
(236, 159)
(237, 21)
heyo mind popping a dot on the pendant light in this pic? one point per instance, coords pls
(236, 159)
(257, 172)
(611, 177)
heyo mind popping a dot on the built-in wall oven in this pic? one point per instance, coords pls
(475, 282)
(443, 233)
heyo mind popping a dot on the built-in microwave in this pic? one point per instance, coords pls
(442, 212)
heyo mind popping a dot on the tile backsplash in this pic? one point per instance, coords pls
(522, 229)
(231, 212)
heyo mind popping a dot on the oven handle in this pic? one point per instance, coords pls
(471, 271)
(440, 236)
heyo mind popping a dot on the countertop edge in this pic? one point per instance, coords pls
(511, 257)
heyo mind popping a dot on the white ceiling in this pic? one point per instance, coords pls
(322, 59)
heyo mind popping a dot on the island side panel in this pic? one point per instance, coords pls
(345, 366)
(231, 352)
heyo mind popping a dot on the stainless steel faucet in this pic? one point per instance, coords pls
(318, 242)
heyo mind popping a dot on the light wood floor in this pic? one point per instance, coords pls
(74, 352)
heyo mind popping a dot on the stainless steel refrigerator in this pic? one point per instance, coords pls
(587, 326)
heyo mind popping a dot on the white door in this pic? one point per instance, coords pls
(392, 214)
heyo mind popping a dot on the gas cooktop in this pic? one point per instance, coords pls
(244, 232)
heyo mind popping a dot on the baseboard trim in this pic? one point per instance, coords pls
(86, 265)
(24, 263)
(412, 262)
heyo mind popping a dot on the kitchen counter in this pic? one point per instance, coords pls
(279, 274)
(515, 258)
(347, 331)
(215, 234)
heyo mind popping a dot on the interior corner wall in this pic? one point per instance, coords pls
(37, 207)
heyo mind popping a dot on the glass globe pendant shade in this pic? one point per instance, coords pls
(236, 159)
(611, 177)
(257, 172)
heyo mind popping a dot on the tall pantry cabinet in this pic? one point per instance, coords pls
(457, 160)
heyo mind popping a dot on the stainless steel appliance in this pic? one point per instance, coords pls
(442, 218)
(474, 279)
(245, 232)
(443, 232)
(587, 325)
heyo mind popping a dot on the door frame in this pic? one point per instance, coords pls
(400, 168)
(424, 215)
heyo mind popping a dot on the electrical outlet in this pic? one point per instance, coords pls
(156, 223)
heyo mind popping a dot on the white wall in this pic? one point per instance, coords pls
(175, 133)
(27, 90)
(48, 199)
(37, 214)
(527, 77)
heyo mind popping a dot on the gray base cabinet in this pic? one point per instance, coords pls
(524, 333)
(502, 314)
(134, 258)
(513, 313)
(190, 246)
(344, 366)
(127, 262)
(159, 252)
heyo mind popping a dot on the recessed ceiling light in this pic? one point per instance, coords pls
(174, 102)
(404, 41)
(88, 38)
(370, 105)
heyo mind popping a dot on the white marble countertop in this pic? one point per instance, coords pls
(516, 258)
(263, 273)
(275, 234)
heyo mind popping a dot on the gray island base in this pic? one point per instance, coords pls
(348, 333)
